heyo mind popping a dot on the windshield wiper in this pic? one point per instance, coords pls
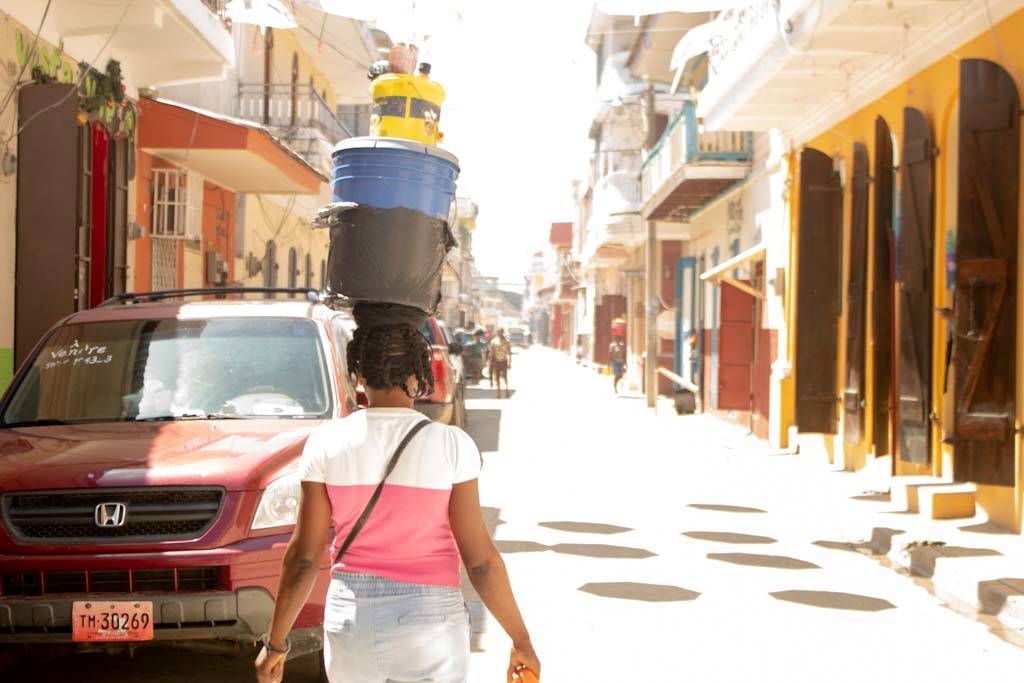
(47, 422)
(194, 415)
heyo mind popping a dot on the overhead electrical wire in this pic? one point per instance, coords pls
(28, 59)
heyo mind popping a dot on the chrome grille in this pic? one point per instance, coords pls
(158, 513)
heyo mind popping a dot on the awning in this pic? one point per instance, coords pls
(696, 41)
(238, 155)
(722, 273)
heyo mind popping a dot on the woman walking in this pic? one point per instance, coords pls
(401, 494)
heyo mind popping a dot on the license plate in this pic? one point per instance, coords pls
(105, 621)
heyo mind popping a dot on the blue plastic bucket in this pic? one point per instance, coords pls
(387, 173)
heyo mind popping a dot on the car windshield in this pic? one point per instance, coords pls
(168, 369)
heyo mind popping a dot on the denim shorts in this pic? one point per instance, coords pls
(377, 630)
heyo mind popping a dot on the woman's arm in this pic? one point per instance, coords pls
(487, 571)
(298, 573)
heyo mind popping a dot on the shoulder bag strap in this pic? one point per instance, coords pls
(358, 526)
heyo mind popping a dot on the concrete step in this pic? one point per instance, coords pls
(947, 500)
(903, 491)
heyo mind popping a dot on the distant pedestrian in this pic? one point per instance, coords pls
(475, 353)
(500, 352)
(617, 355)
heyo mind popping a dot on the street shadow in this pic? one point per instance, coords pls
(585, 527)
(994, 593)
(602, 551)
(642, 592)
(766, 561)
(729, 537)
(596, 550)
(486, 393)
(987, 528)
(843, 545)
(484, 426)
(725, 508)
(873, 497)
(509, 547)
(492, 518)
(924, 557)
(833, 600)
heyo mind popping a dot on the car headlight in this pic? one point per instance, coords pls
(279, 505)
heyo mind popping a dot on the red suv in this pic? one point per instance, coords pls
(448, 402)
(148, 455)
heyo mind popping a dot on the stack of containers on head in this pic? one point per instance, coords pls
(394, 200)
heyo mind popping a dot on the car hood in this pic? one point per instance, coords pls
(235, 454)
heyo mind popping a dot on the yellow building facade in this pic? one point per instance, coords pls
(935, 92)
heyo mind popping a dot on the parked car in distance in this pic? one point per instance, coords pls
(448, 402)
(517, 337)
(148, 461)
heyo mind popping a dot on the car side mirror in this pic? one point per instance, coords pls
(455, 349)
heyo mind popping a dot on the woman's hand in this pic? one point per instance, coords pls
(269, 666)
(523, 657)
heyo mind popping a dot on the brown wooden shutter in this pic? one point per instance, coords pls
(914, 254)
(817, 292)
(735, 349)
(986, 291)
(45, 270)
(118, 232)
(853, 393)
(881, 317)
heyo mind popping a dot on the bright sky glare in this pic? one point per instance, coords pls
(520, 84)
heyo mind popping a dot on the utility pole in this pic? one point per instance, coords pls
(651, 318)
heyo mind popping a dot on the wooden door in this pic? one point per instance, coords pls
(853, 393)
(986, 288)
(46, 271)
(914, 274)
(881, 317)
(817, 292)
(117, 234)
(735, 349)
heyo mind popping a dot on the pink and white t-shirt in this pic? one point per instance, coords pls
(408, 536)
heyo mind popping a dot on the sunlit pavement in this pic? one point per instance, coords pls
(660, 548)
(655, 548)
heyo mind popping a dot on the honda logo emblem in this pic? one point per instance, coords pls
(110, 514)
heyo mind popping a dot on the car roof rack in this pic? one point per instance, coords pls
(308, 293)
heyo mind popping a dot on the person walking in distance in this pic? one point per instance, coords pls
(500, 352)
(401, 493)
(617, 355)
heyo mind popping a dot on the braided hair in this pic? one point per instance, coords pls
(386, 356)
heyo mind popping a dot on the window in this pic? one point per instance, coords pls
(323, 274)
(116, 371)
(177, 204)
(341, 330)
(309, 271)
(421, 109)
(293, 268)
(389, 106)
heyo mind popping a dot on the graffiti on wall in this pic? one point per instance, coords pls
(49, 64)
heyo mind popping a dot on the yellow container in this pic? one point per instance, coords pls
(406, 106)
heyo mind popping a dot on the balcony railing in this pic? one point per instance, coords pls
(617, 193)
(683, 144)
(285, 106)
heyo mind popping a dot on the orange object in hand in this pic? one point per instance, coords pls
(524, 675)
